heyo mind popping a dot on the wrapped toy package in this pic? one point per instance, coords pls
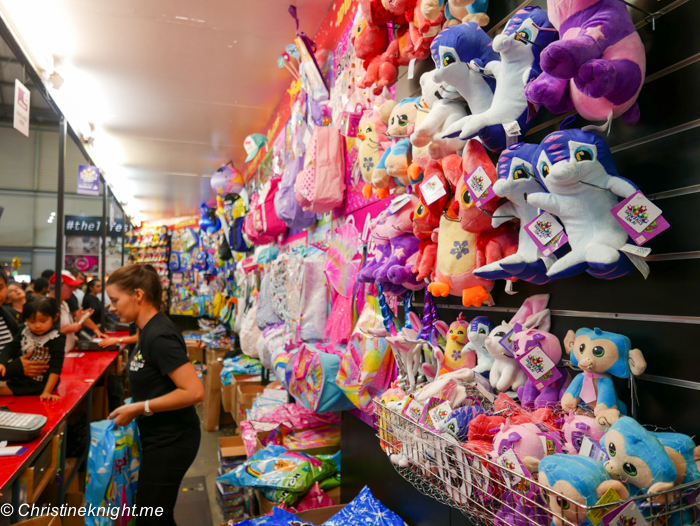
(113, 470)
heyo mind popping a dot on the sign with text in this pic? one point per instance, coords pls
(88, 180)
(22, 98)
(91, 225)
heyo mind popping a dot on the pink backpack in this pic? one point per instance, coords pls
(254, 236)
(320, 186)
(265, 218)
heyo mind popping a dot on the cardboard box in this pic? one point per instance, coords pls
(195, 353)
(212, 409)
(40, 521)
(322, 450)
(213, 379)
(227, 397)
(216, 355)
(75, 500)
(232, 447)
(247, 393)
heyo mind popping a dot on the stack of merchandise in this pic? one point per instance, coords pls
(235, 501)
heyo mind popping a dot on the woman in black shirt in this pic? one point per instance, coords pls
(93, 301)
(164, 386)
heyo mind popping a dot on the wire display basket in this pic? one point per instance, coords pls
(489, 493)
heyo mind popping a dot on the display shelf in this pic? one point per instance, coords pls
(488, 493)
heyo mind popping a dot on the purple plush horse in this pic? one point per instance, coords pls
(597, 67)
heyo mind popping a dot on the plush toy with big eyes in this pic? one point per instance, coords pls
(460, 54)
(424, 224)
(456, 11)
(519, 46)
(372, 132)
(581, 480)
(479, 329)
(382, 251)
(575, 427)
(636, 457)
(524, 440)
(578, 170)
(597, 67)
(456, 356)
(601, 355)
(457, 424)
(516, 180)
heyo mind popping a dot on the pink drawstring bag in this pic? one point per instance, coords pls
(320, 186)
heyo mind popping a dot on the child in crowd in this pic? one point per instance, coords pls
(40, 341)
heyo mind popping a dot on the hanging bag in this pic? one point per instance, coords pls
(311, 375)
(320, 187)
(265, 218)
(286, 205)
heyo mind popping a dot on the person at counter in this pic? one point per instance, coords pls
(16, 299)
(40, 342)
(164, 386)
(68, 324)
(9, 328)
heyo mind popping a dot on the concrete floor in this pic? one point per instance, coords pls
(207, 464)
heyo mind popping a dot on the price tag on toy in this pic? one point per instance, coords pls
(507, 342)
(479, 187)
(640, 218)
(512, 129)
(628, 515)
(642, 252)
(412, 410)
(597, 514)
(399, 202)
(411, 68)
(432, 189)
(547, 233)
(593, 450)
(435, 412)
(539, 367)
(520, 478)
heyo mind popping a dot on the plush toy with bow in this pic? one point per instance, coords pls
(575, 427)
(372, 132)
(398, 267)
(578, 170)
(537, 393)
(382, 252)
(597, 67)
(457, 248)
(516, 180)
(460, 54)
(601, 355)
(492, 244)
(582, 480)
(393, 166)
(519, 47)
(524, 440)
(456, 11)
(506, 373)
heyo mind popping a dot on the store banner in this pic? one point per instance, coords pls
(91, 226)
(88, 180)
(22, 105)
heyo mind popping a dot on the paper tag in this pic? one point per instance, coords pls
(596, 515)
(507, 342)
(512, 129)
(640, 264)
(518, 480)
(426, 419)
(432, 189)
(399, 202)
(479, 186)
(642, 252)
(440, 414)
(592, 450)
(412, 410)
(509, 288)
(640, 218)
(547, 233)
(411, 68)
(539, 367)
(625, 515)
(551, 442)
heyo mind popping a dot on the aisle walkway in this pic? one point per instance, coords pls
(206, 465)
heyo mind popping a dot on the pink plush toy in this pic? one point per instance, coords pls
(597, 67)
(524, 440)
(372, 132)
(575, 427)
(537, 394)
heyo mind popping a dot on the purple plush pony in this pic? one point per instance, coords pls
(534, 395)
(597, 67)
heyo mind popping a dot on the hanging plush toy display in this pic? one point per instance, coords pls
(374, 142)
(598, 66)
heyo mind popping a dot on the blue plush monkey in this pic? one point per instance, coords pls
(601, 355)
